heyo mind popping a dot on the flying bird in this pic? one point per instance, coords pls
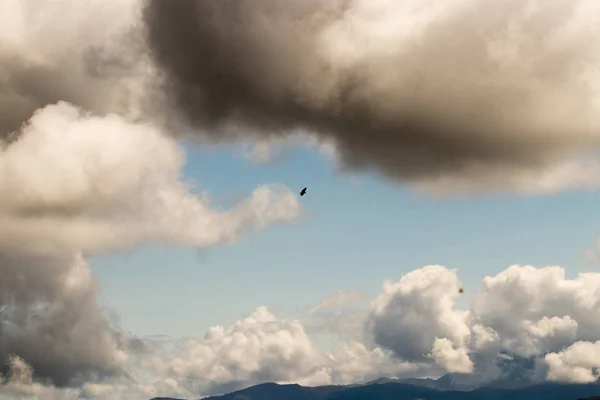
(303, 192)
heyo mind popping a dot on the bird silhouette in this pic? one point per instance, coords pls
(303, 192)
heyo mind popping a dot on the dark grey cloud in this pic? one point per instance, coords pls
(50, 317)
(480, 87)
(458, 94)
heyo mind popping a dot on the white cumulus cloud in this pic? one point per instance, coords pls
(110, 183)
(412, 313)
(425, 336)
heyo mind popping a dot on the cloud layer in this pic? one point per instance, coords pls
(465, 93)
(449, 97)
(50, 317)
(526, 324)
(75, 183)
(111, 183)
(82, 173)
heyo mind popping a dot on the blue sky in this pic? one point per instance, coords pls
(357, 231)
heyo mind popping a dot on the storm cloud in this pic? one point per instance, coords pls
(50, 317)
(461, 93)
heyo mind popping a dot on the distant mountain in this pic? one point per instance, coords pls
(403, 391)
(164, 398)
(513, 372)
(516, 381)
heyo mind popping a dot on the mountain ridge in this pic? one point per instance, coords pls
(381, 390)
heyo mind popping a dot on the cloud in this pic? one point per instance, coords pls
(414, 329)
(258, 348)
(514, 110)
(514, 332)
(356, 362)
(110, 183)
(580, 363)
(592, 256)
(89, 164)
(20, 383)
(338, 300)
(470, 94)
(51, 318)
(72, 184)
(263, 348)
(531, 315)
(85, 170)
(537, 310)
(450, 358)
(341, 314)
(416, 314)
(276, 149)
(91, 56)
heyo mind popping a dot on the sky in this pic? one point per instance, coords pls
(358, 232)
(152, 237)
